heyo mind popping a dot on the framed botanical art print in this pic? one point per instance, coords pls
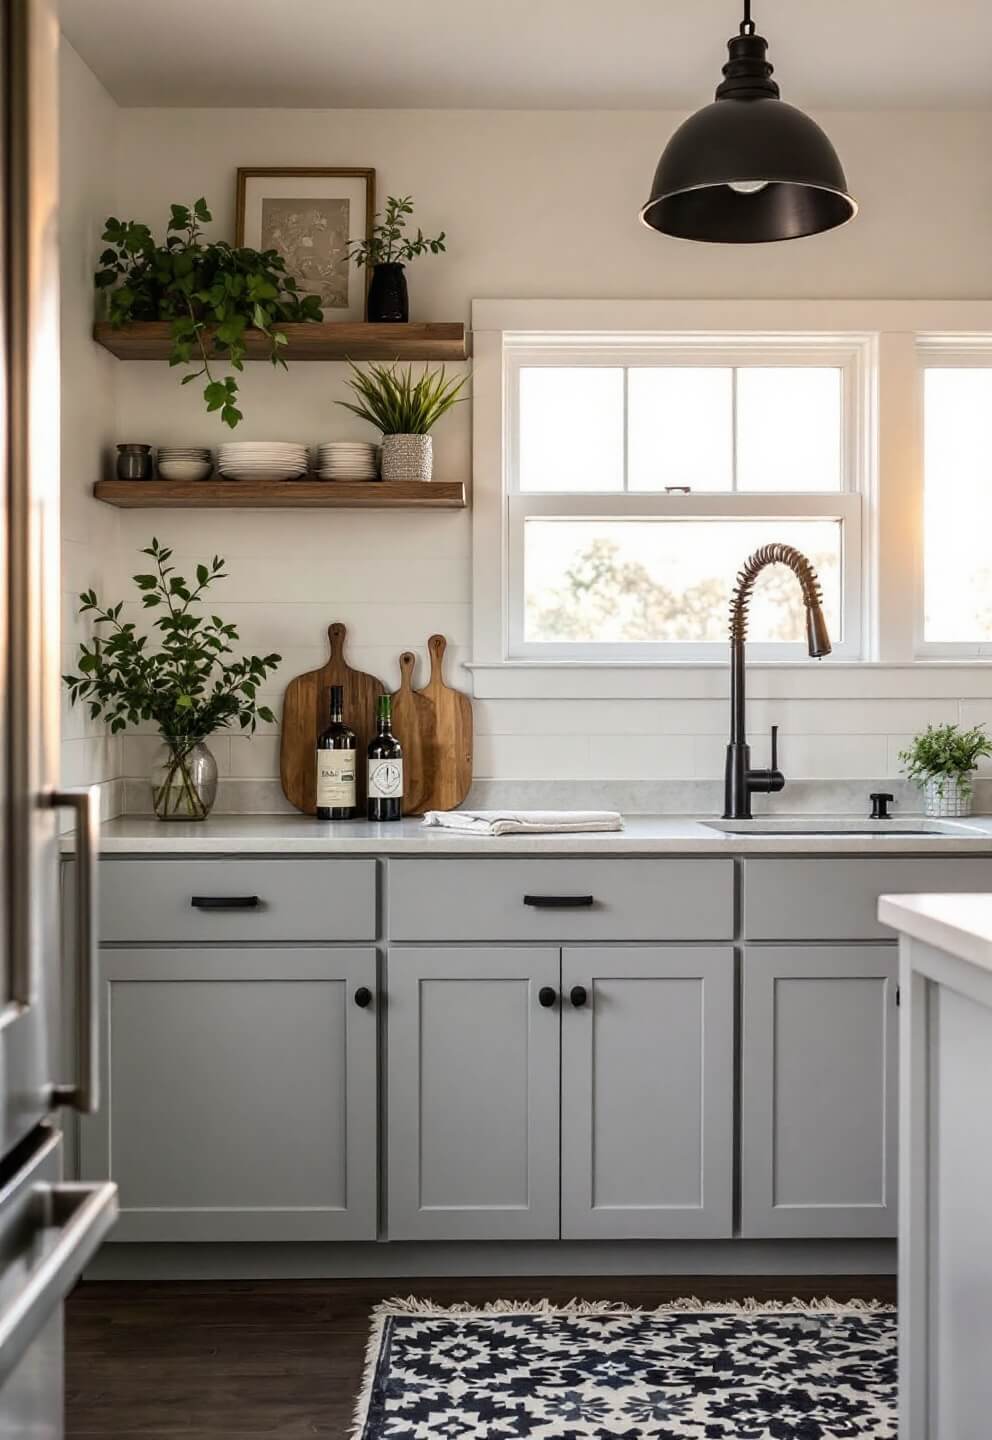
(309, 216)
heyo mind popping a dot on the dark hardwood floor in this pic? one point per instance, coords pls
(216, 1361)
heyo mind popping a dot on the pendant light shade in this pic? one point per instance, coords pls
(748, 168)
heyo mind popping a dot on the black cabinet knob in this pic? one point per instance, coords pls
(880, 802)
(363, 997)
(547, 996)
(578, 996)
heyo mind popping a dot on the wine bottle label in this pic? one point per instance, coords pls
(385, 779)
(335, 778)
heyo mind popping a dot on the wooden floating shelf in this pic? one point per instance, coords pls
(281, 494)
(151, 340)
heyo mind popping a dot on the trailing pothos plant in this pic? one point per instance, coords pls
(187, 687)
(201, 287)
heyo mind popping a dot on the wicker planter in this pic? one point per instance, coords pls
(946, 798)
(407, 457)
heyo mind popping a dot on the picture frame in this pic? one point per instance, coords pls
(309, 214)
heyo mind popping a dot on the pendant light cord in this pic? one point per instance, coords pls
(747, 24)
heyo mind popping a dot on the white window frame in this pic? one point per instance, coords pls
(848, 354)
(945, 352)
(890, 332)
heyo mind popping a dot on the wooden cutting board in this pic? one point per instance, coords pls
(452, 740)
(304, 715)
(413, 726)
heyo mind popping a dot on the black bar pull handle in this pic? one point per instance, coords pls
(224, 902)
(559, 902)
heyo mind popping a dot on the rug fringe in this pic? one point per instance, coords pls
(689, 1304)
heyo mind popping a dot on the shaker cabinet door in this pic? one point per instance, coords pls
(239, 1094)
(648, 1082)
(472, 1093)
(819, 1074)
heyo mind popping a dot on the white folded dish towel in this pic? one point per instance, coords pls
(525, 822)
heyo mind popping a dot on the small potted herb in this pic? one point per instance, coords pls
(187, 688)
(386, 251)
(941, 762)
(405, 411)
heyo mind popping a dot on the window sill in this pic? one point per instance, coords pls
(709, 679)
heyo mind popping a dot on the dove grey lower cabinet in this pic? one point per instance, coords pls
(321, 1048)
(538, 1093)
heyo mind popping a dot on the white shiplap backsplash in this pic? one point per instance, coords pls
(395, 579)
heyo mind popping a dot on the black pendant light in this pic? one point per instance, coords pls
(748, 168)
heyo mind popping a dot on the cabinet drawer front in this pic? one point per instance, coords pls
(837, 899)
(561, 899)
(174, 900)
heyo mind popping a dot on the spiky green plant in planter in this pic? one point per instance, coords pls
(405, 410)
(941, 763)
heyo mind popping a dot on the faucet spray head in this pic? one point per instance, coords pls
(817, 637)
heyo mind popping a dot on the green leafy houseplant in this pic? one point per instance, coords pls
(388, 244)
(200, 287)
(187, 686)
(390, 399)
(945, 755)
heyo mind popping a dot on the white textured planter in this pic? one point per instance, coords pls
(945, 798)
(407, 457)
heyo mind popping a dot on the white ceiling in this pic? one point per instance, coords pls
(532, 54)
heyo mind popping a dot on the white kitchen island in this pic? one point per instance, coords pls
(945, 1208)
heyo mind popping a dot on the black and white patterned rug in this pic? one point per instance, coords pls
(816, 1371)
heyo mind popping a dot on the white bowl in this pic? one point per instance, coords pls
(184, 469)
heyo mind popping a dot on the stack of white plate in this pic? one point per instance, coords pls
(262, 460)
(347, 460)
(184, 462)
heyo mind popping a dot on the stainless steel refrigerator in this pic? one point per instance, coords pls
(48, 1229)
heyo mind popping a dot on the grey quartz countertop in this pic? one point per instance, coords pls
(961, 925)
(642, 835)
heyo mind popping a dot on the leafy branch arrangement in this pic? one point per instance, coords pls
(388, 245)
(945, 753)
(188, 688)
(392, 401)
(199, 287)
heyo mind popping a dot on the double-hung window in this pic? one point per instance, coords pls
(640, 471)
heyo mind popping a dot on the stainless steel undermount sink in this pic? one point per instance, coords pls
(798, 825)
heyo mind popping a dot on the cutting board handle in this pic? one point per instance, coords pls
(437, 646)
(408, 661)
(336, 634)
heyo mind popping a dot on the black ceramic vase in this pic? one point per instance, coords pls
(388, 300)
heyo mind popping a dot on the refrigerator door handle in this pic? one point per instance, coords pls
(82, 1215)
(84, 1095)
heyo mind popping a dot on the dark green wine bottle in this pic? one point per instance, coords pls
(337, 765)
(385, 767)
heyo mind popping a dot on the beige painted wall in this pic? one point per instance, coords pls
(536, 205)
(89, 529)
